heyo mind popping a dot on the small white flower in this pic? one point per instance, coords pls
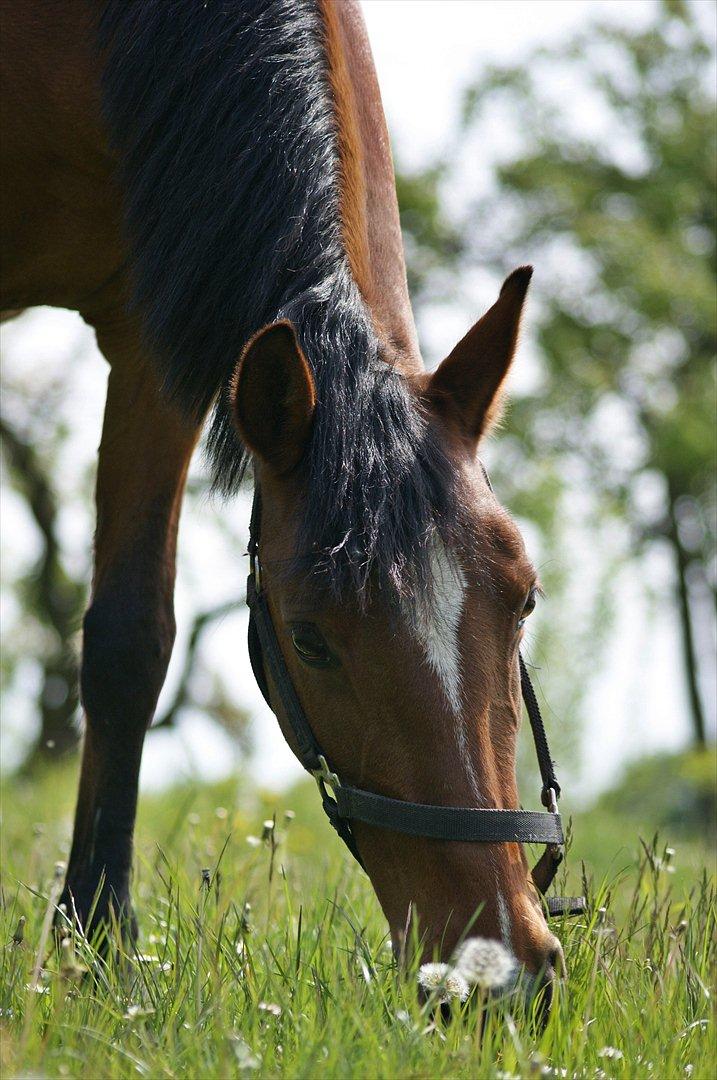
(485, 963)
(270, 1007)
(135, 1011)
(611, 1052)
(442, 981)
(246, 1059)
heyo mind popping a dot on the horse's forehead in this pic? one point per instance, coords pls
(490, 538)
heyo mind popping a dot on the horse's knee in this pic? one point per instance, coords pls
(127, 644)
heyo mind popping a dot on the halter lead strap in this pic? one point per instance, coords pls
(344, 804)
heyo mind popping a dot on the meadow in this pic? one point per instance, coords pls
(262, 951)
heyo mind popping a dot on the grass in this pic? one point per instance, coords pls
(276, 962)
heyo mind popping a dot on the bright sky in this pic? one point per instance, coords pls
(425, 51)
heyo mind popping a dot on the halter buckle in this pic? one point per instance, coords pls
(324, 777)
(555, 851)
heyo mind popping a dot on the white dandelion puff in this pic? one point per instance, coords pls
(443, 982)
(484, 963)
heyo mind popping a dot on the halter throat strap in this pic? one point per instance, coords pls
(344, 804)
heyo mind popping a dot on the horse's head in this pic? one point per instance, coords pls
(411, 693)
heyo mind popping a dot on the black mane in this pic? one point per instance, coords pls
(222, 116)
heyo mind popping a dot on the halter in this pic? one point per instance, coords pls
(344, 804)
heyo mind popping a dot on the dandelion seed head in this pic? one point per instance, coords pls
(432, 975)
(442, 981)
(485, 963)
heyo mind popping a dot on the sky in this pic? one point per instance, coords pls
(425, 52)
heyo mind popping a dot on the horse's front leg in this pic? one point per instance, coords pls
(129, 626)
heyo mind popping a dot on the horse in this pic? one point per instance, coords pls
(211, 187)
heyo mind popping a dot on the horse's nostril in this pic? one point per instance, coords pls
(553, 969)
(546, 993)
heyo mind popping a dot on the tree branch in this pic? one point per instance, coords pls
(182, 696)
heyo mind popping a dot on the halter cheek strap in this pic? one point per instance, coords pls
(344, 804)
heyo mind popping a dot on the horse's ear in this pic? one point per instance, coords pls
(273, 397)
(471, 377)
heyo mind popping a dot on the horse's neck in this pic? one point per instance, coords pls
(369, 205)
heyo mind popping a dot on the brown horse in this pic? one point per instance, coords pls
(210, 185)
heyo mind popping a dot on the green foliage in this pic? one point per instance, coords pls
(431, 241)
(673, 792)
(301, 982)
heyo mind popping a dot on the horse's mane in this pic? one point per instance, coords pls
(222, 117)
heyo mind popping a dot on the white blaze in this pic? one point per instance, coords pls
(437, 624)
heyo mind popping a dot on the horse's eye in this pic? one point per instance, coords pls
(529, 606)
(310, 646)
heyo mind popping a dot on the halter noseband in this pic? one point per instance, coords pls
(344, 804)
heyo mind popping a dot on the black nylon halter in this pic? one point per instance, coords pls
(344, 804)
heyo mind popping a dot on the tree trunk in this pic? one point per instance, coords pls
(55, 600)
(689, 655)
(58, 703)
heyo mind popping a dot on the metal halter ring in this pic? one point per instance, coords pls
(324, 777)
(255, 567)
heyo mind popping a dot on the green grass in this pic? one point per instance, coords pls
(303, 984)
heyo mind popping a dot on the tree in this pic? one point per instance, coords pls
(52, 598)
(46, 591)
(618, 213)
